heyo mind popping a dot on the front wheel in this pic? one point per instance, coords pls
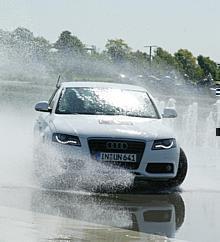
(170, 183)
(181, 172)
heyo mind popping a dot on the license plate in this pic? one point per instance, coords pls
(116, 157)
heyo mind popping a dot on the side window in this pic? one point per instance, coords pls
(52, 99)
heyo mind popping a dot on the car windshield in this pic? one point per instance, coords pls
(106, 101)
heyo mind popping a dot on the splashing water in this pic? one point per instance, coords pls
(78, 173)
(16, 150)
(26, 79)
(196, 133)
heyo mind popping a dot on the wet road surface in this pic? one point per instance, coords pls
(48, 215)
(43, 215)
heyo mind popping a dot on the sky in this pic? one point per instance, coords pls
(170, 24)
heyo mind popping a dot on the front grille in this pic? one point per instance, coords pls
(133, 147)
(160, 168)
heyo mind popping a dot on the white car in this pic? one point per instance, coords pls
(118, 125)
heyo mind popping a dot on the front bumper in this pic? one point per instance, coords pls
(73, 155)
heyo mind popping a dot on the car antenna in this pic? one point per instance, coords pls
(58, 82)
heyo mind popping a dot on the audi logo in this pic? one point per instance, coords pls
(116, 146)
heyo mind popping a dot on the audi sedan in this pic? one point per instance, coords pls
(116, 125)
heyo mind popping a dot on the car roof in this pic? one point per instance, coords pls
(102, 85)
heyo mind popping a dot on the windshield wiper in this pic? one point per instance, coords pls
(139, 116)
(85, 113)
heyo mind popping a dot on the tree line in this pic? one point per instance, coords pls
(71, 56)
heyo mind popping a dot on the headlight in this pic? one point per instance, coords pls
(164, 144)
(66, 139)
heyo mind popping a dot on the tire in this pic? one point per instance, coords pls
(181, 172)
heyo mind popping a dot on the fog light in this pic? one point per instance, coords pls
(169, 168)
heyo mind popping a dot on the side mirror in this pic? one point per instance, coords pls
(169, 113)
(42, 107)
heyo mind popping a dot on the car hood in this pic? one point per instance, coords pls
(112, 126)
